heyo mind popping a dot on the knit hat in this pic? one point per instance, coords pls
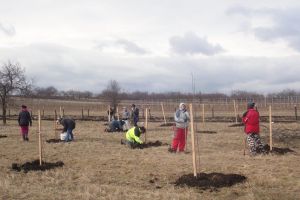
(250, 105)
(182, 106)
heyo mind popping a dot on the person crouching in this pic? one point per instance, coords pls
(68, 126)
(133, 137)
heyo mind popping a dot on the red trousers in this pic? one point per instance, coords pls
(179, 139)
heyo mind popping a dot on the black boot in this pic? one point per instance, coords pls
(24, 138)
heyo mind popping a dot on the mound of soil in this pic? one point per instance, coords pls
(167, 124)
(157, 143)
(54, 141)
(210, 181)
(35, 166)
(276, 150)
(236, 125)
(3, 136)
(207, 132)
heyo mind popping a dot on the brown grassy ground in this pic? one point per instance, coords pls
(98, 167)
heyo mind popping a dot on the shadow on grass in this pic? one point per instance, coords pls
(54, 141)
(207, 132)
(3, 136)
(167, 124)
(35, 166)
(210, 181)
(277, 150)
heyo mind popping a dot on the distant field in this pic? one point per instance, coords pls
(213, 110)
(97, 166)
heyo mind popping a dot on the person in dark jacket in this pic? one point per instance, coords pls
(251, 121)
(68, 126)
(134, 114)
(115, 126)
(24, 121)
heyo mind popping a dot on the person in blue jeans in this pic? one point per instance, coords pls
(69, 125)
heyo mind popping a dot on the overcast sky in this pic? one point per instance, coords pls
(155, 45)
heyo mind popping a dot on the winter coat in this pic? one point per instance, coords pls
(133, 135)
(251, 121)
(24, 118)
(67, 124)
(181, 118)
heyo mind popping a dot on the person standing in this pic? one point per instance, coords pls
(68, 126)
(251, 121)
(134, 114)
(125, 118)
(24, 121)
(181, 118)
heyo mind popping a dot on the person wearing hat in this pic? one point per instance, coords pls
(125, 118)
(115, 126)
(133, 137)
(181, 118)
(251, 121)
(68, 126)
(24, 121)
(134, 114)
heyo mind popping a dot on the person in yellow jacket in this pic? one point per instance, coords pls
(133, 137)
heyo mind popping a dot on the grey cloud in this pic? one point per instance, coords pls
(131, 47)
(71, 68)
(125, 44)
(285, 24)
(190, 43)
(8, 30)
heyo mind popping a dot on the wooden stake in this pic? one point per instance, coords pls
(203, 115)
(118, 117)
(40, 138)
(82, 115)
(146, 123)
(193, 141)
(271, 134)
(296, 114)
(235, 114)
(108, 113)
(162, 107)
(245, 145)
(60, 112)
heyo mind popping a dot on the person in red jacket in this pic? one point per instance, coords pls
(251, 121)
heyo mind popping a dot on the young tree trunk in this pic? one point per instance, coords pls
(4, 111)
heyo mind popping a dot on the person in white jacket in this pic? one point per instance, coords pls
(181, 118)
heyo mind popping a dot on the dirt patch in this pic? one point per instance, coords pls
(54, 141)
(207, 132)
(35, 166)
(3, 136)
(236, 125)
(167, 124)
(157, 143)
(278, 151)
(210, 181)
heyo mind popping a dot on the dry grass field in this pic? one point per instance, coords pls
(97, 166)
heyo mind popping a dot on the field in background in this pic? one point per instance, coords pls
(96, 166)
(214, 110)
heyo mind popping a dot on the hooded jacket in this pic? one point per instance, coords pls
(181, 117)
(251, 121)
(133, 135)
(24, 118)
(67, 124)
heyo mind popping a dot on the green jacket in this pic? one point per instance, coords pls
(133, 135)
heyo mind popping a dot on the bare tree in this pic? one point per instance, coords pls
(12, 81)
(112, 93)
